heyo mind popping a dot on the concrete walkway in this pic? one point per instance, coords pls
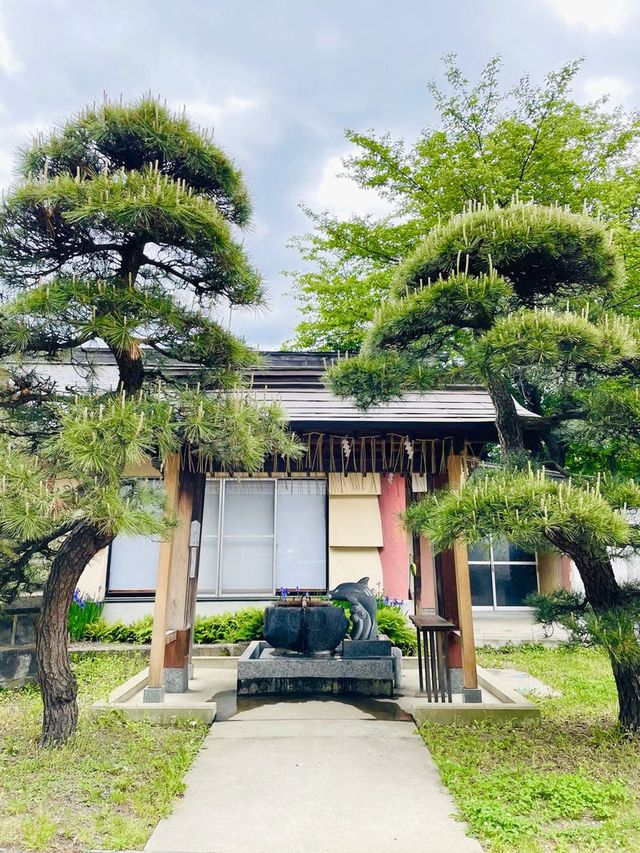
(313, 777)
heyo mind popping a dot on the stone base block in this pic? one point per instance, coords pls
(262, 672)
(353, 649)
(471, 694)
(176, 679)
(456, 679)
(153, 694)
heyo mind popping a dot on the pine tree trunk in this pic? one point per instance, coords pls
(603, 593)
(57, 682)
(627, 679)
(507, 421)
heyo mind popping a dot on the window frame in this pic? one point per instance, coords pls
(217, 594)
(492, 563)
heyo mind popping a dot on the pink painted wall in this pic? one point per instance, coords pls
(394, 554)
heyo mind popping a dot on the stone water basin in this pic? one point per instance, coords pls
(307, 630)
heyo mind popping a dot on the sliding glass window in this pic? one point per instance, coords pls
(502, 574)
(257, 536)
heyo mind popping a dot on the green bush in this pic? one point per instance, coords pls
(393, 623)
(241, 626)
(102, 631)
(237, 627)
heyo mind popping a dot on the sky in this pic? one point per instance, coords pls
(280, 80)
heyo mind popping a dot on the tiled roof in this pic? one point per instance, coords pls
(295, 379)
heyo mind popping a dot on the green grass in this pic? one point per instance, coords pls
(107, 788)
(570, 784)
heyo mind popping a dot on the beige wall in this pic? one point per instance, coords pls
(355, 529)
(93, 581)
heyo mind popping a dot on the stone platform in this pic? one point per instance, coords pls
(263, 671)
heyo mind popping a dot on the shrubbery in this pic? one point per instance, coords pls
(393, 623)
(241, 626)
(236, 627)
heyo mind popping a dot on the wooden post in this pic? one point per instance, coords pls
(463, 586)
(154, 689)
(549, 572)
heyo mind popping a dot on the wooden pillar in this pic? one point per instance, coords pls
(160, 612)
(463, 586)
(549, 571)
(428, 579)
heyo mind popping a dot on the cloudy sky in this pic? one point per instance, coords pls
(280, 80)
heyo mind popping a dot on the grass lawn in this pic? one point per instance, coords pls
(570, 784)
(107, 788)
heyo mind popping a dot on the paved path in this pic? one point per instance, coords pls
(312, 777)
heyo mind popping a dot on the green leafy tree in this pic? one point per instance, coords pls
(488, 146)
(123, 228)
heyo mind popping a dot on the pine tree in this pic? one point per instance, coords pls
(123, 228)
(519, 298)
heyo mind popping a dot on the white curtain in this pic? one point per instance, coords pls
(301, 534)
(247, 539)
(133, 560)
(208, 567)
(133, 563)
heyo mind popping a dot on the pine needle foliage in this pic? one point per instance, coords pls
(123, 231)
(545, 252)
(120, 220)
(554, 341)
(530, 509)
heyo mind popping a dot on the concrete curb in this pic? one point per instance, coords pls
(514, 708)
(162, 712)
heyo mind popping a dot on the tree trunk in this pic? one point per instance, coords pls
(603, 593)
(596, 572)
(131, 371)
(627, 679)
(57, 682)
(507, 420)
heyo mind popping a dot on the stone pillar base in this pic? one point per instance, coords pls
(456, 679)
(153, 694)
(176, 679)
(471, 694)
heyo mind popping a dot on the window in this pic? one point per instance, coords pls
(133, 560)
(257, 535)
(501, 574)
(260, 535)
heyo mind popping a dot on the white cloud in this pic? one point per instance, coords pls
(242, 125)
(8, 61)
(596, 15)
(208, 113)
(617, 88)
(341, 196)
